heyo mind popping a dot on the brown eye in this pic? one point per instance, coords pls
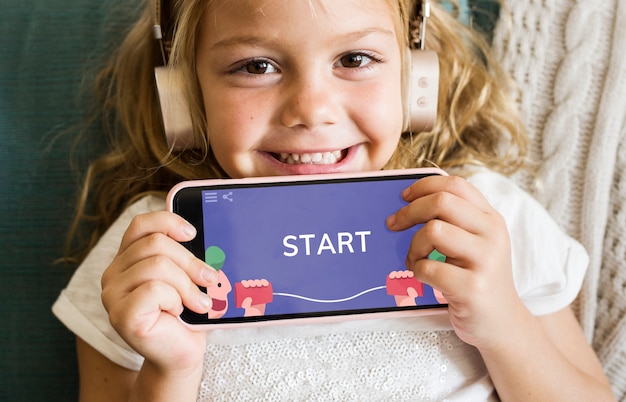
(358, 60)
(352, 60)
(257, 67)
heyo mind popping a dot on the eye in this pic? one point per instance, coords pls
(357, 60)
(256, 67)
(259, 67)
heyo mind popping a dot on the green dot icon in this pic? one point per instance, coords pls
(215, 257)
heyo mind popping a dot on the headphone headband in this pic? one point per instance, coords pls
(160, 30)
(161, 13)
(423, 13)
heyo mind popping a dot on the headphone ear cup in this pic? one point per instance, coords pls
(175, 112)
(423, 90)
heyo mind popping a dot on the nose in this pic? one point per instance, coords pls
(311, 101)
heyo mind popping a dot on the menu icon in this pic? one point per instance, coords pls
(210, 197)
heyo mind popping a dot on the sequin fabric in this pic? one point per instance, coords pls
(373, 366)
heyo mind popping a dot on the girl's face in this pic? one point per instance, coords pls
(300, 86)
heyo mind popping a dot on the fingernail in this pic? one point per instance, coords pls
(406, 192)
(209, 274)
(206, 302)
(189, 230)
(391, 220)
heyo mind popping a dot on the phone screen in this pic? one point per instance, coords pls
(303, 249)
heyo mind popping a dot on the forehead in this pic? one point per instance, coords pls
(278, 18)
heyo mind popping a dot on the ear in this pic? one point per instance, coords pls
(422, 90)
(175, 112)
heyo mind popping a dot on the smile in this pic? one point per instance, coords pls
(218, 305)
(315, 158)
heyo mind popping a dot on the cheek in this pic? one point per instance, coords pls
(380, 113)
(225, 119)
(230, 126)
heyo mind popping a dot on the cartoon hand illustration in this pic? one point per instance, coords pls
(403, 286)
(441, 299)
(253, 296)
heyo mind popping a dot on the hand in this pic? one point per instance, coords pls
(253, 296)
(403, 286)
(476, 278)
(146, 285)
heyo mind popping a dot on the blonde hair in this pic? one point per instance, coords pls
(477, 122)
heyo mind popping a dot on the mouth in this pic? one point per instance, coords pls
(218, 305)
(314, 158)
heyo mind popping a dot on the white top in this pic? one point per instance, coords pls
(383, 359)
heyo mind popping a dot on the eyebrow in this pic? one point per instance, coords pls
(258, 41)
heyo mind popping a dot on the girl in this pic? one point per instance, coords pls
(271, 84)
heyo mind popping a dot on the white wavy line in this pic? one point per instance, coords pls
(330, 301)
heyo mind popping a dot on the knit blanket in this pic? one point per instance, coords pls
(569, 60)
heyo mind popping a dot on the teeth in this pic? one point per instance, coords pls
(317, 158)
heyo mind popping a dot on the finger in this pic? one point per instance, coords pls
(139, 311)
(155, 244)
(246, 303)
(453, 282)
(429, 196)
(164, 222)
(447, 184)
(458, 245)
(444, 206)
(157, 269)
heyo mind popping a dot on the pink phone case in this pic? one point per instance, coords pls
(254, 292)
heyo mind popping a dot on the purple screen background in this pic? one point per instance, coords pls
(250, 230)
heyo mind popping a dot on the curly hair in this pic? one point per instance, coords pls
(477, 123)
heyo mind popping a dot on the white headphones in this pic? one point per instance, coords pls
(421, 96)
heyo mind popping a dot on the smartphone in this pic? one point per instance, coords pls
(304, 248)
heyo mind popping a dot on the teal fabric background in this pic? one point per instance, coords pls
(45, 48)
